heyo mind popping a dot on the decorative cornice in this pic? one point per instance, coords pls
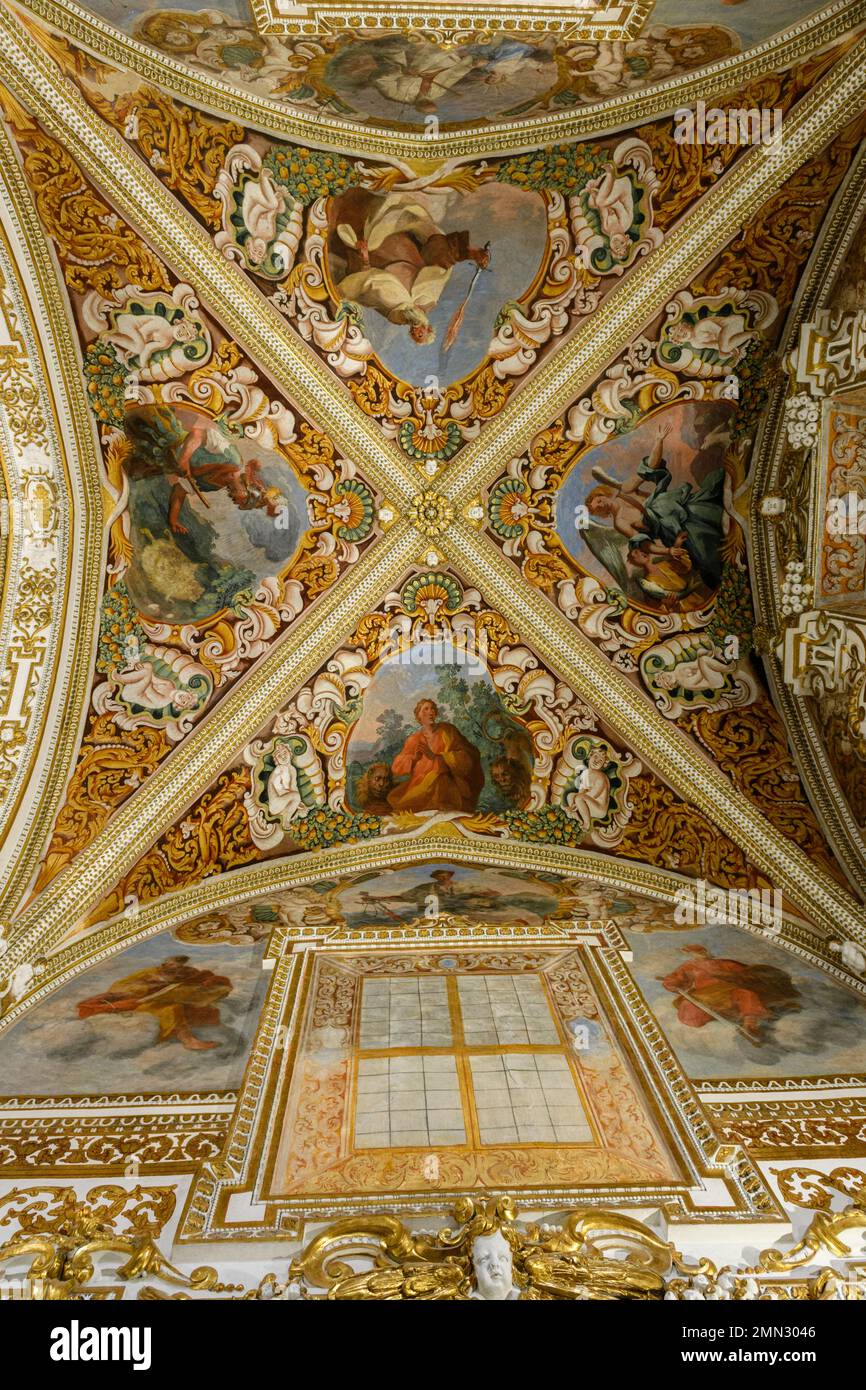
(577, 22)
(767, 563)
(136, 191)
(256, 881)
(497, 137)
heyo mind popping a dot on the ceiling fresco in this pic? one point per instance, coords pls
(433, 671)
(178, 1010)
(181, 621)
(229, 512)
(431, 346)
(434, 714)
(115, 1029)
(403, 78)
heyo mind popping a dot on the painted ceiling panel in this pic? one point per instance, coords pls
(657, 455)
(229, 514)
(463, 789)
(100, 1034)
(434, 715)
(404, 79)
(176, 1013)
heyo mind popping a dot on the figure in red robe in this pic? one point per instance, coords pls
(442, 769)
(711, 988)
(176, 995)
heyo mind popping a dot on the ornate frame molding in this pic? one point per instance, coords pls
(617, 22)
(252, 1140)
(211, 93)
(52, 362)
(766, 561)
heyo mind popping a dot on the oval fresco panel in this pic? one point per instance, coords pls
(211, 513)
(644, 512)
(428, 273)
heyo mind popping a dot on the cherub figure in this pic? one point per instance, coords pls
(611, 195)
(284, 797)
(591, 798)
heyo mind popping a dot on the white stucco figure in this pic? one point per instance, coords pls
(852, 957)
(492, 1267)
(726, 336)
(263, 202)
(19, 981)
(591, 799)
(143, 335)
(284, 798)
(708, 671)
(142, 686)
(612, 197)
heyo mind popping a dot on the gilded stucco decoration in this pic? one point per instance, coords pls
(179, 620)
(812, 527)
(523, 758)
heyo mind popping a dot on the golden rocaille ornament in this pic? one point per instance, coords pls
(431, 513)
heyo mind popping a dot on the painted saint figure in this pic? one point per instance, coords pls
(673, 533)
(442, 769)
(387, 253)
(712, 988)
(178, 997)
(197, 461)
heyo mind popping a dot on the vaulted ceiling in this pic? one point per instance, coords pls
(400, 465)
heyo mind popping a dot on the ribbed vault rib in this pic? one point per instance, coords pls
(806, 738)
(654, 738)
(708, 227)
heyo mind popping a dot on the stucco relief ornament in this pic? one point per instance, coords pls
(796, 596)
(158, 336)
(802, 419)
(591, 784)
(707, 336)
(486, 1258)
(852, 956)
(288, 782)
(262, 224)
(431, 514)
(156, 686)
(493, 1269)
(611, 216)
(690, 671)
(19, 982)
